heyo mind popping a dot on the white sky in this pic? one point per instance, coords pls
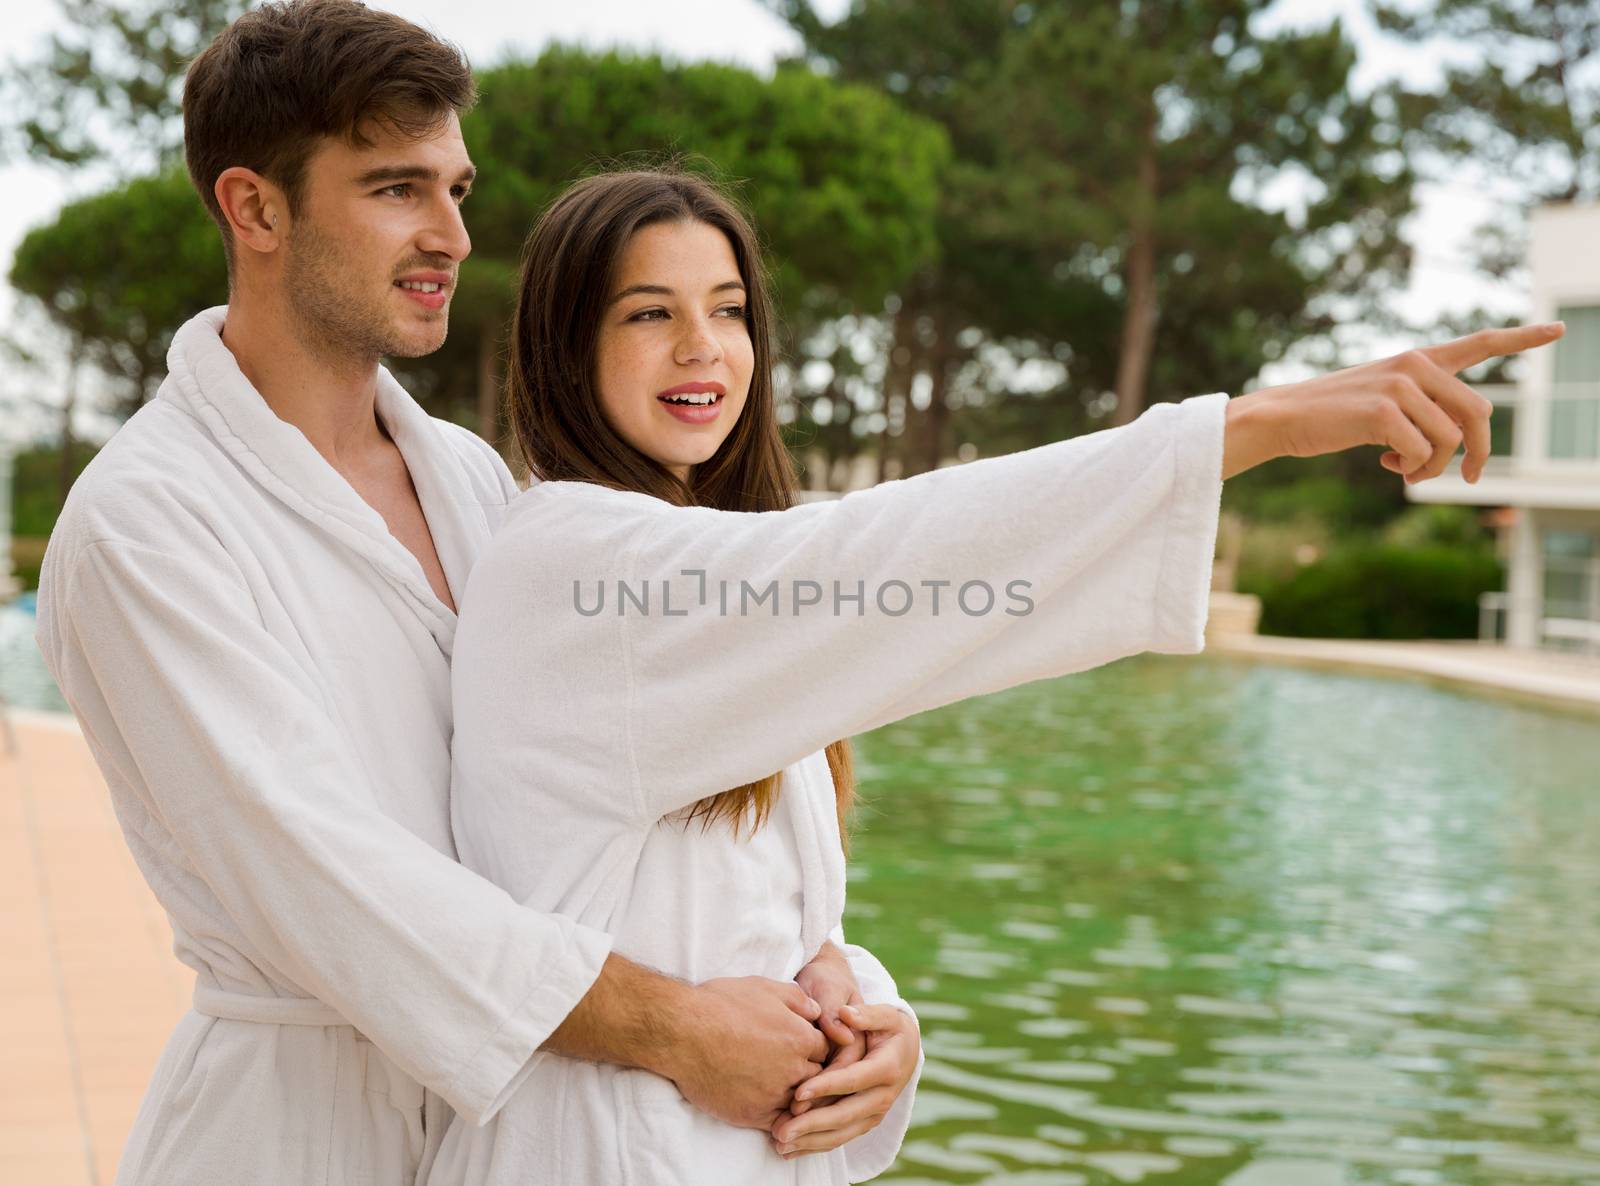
(741, 31)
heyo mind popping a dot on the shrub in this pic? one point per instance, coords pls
(36, 486)
(1438, 524)
(1381, 591)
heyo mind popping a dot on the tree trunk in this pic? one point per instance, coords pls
(67, 473)
(1139, 282)
(489, 384)
(897, 377)
(938, 415)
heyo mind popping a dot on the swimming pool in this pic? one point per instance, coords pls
(1193, 921)
(24, 682)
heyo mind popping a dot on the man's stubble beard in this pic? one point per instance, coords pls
(339, 321)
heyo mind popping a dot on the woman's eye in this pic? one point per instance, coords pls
(733, 312)
(648, 315)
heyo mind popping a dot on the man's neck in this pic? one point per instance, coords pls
(332, 401)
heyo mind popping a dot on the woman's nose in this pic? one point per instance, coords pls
(699, 344)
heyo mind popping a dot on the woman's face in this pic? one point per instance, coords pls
(674, 356)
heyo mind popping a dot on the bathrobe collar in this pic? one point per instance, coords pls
(204, 379)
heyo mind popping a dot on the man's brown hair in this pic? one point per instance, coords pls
(285, 75)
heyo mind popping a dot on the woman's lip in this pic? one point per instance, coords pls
(697, 388)
(693, 413)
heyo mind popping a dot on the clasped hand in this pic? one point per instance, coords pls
(806, 1061)
(872, 1056)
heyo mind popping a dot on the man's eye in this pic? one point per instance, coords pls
(462, 193)
(399, 190)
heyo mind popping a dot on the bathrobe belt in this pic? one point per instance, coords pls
(241, 1006)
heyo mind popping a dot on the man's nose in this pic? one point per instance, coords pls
(446, 234)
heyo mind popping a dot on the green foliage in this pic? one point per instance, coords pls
(108, 88)
(1331, 498)
(1087, 135)
(1271, 553)
(1522, 103)
(38, 486)
(1381, 591)
(120, 272)
(27, 558)
(1381, 568)
(841, 181)
(1438, 525)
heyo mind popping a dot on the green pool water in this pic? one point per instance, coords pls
(1199, 921)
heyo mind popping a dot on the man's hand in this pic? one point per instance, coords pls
(853, 1100)
(736, 1048)
(748, 1043)
(1412, 404)
(828, 980)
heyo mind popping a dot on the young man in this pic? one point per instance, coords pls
(249, 602)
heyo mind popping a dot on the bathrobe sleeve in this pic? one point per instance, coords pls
(947, 585)
(873, 1152)
(270, 807)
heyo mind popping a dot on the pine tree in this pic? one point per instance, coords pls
(1113, 157)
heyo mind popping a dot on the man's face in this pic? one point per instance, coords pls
(377, 242)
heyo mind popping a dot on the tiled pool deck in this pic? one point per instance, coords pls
(88, 981)
(90, 987)
(1561, 681)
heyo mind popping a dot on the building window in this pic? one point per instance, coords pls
(1575, 395)
(1572, 575)
(1502, 430)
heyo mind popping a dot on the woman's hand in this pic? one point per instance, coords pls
(828, 980)
(852, 1100)
(1412, 404)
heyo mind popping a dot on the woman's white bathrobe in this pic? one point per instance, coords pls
(262, 673)
(578, 731)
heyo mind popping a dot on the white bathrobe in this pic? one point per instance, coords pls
(262, 673)
(583, 725)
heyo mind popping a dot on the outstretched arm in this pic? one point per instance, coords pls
(777, 633)
(767, 636)
(1411, 404)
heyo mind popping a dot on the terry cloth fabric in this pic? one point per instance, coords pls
(583, 732)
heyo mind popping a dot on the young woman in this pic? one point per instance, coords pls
(643, 370)
(658, 655)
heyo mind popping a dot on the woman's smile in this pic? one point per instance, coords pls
(694, 403)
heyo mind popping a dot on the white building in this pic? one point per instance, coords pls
(1544, 470)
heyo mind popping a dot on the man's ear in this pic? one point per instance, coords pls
(254, 207)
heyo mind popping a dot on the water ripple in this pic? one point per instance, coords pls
(1197, 922)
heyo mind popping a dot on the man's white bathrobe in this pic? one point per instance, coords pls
(585, 718)
(262, 673)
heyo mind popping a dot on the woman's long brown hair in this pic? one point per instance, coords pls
(569, 268)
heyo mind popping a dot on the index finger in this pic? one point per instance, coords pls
(1492, 343)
